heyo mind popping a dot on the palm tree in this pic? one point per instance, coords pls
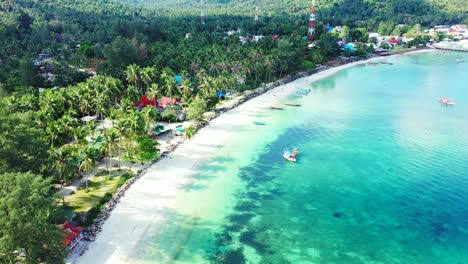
(132, 74)
(190, 132)
(111, 138)
(53, 131)
(208, 86)
(100, 104)
(148, 75)
(68, 123)
(133, 121)
(87, 163)
(167, 77)
(148, 113)
(122, 131)
(186, 89)
(79, 133)
(152, 93)
(85, 105)
(60, 166)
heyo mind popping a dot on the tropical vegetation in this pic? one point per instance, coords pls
(72, 72)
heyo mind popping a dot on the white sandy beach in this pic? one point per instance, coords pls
(146, 202)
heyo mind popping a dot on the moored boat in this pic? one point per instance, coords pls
(259, 123)
(276, 108)
(446, 101)
(291, 157)
(289, 104)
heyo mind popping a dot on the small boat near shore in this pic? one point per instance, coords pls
(259, 123)
(276, 108)
(290, 157)
(446, 101)
(289, 104)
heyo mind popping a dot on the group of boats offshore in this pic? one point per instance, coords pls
(286, 153)
(303, 91)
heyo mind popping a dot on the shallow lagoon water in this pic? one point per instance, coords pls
(382, 176)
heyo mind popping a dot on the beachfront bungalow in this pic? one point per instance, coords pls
(462, 30)
(165, 101)
(145, 101)
(442, 28)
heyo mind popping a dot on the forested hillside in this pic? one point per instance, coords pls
(335, 12)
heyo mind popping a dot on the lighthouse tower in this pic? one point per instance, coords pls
(202, 14)
(311, 32)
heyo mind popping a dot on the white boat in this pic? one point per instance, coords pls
(291, 157)
(446, 101)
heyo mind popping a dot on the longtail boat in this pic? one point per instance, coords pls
(292, 104)
(259, 123)
(291, 157)
(276, 108)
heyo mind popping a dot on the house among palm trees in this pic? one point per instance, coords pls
(144, 102)
(165, 101)
(159, 104)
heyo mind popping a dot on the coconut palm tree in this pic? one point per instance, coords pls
(53, 132)
(68, 123)
(100, 104)
(190, 132)
(148, 113)
(79, 133)
(87, 163)
(132, 74)
(122, 132)
(152, 93)
(186, 89)
(167, 78)
(85, 105)
(148, 75)
(208, 86)
(63, 165)
(111, 138)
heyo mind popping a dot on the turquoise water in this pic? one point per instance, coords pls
(381, 177)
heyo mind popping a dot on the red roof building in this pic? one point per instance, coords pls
(393, 41)
(170, 101)
(73, 234)
(144, 102)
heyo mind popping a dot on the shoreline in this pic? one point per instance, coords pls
(132, 211)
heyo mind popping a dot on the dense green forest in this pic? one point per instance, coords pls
(334, 12)
(135, 51)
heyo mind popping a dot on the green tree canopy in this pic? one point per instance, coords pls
(26, 208)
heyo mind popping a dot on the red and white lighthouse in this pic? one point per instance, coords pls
(311, 32)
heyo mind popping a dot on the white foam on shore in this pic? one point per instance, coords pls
(146, 203)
